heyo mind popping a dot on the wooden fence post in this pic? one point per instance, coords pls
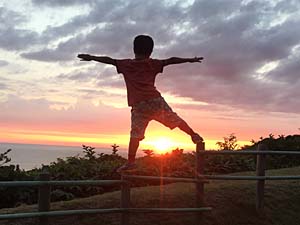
(199, 171)
(260, 171)
(44, 196)
(125, 200)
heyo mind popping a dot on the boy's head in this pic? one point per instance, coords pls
(143, 45)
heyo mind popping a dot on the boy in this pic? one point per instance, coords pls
(146, 102)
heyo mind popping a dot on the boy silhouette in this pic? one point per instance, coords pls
(145, 100)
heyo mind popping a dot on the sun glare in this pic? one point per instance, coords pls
(162, 145)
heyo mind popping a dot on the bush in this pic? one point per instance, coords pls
(12, 196)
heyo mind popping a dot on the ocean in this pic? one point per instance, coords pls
(30, 156)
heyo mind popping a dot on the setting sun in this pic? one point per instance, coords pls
(162, 145)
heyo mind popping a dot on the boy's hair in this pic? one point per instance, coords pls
(143, 45)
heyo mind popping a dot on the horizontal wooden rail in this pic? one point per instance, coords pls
(228, 177)
(242, 152)
(59, 183)
(174, 179)
(168, 210)
(59, 213)
(99, 211)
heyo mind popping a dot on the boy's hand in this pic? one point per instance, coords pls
(85, 57)
(196, 59)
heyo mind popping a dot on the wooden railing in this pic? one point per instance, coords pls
(44, 183)
(260, 177)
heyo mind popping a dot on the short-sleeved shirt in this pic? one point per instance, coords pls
(139, 77)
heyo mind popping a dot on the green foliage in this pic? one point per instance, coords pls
(282, 143)
(175, 164)
(230, 143)
(222, 164)
(59, 195)
(13, 196)
(89, 167)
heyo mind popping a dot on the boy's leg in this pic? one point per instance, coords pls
(187, 129)
(166, 116)
(132, 149)
(139, 122)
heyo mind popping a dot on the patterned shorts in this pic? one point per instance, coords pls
(153, 109)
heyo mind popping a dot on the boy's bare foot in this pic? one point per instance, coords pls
(127, 167)
(196, 138)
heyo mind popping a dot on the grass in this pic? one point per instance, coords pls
(233, 203)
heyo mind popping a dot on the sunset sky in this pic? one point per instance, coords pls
(248, 84)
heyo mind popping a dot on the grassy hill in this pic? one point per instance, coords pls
(233, 203)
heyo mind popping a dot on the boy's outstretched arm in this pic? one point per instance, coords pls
(177, 60)
(102, 59)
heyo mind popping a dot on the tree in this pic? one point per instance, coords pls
(177, 152)
(4, 157)
(148, 152)
(114, 149)
(230, 143)
(89, 152)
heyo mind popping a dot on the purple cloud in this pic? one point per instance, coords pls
(11, 37)
(3, 63)
(59, 3)
(236, 38)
